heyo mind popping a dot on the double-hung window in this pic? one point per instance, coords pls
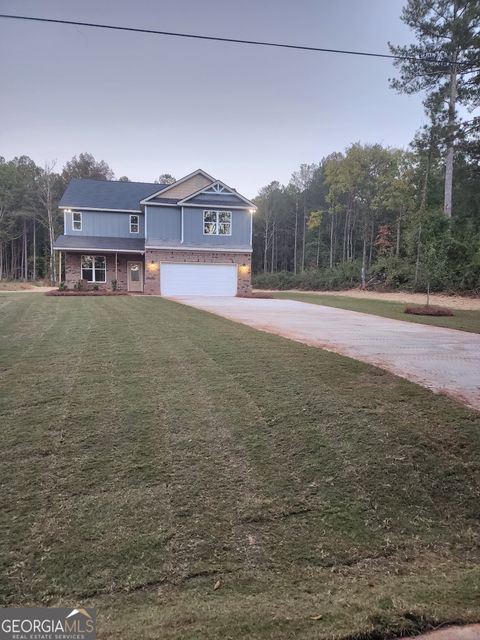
(217, 223)
(94, 268)
(134, 223)
(77, 220)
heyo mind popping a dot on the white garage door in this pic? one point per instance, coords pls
(198, 279)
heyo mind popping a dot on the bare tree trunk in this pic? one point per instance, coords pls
(25, 251)
(397, 246)
(423, 204)
(304, 238)
(370, 250)
(447, 204)
(364, 258)
(34, 233)
(296, 239)
(265, 245)
(318, 243)
(272, 266)
(417, 262)
(332, 222)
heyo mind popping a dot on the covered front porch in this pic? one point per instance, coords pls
(101, 263)
(116, 271)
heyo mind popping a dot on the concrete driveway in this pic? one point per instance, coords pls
(444, 360)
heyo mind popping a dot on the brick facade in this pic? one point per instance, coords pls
(73, 271)
(152, 266)
(154, 258)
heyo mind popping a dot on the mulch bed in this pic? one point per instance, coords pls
(257, 294)
(429, 310)
(67, 293)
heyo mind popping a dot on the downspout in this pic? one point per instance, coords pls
(181, 240)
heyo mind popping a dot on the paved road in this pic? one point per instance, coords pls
(444, 360)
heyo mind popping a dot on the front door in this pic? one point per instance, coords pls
(135, 276)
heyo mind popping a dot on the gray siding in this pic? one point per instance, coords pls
(104, 223)
(193, 229)
(218, 200)
(164, 225)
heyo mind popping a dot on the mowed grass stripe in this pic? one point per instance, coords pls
(166, 448)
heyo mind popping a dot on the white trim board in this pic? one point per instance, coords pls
(80, 208)
(72, 250)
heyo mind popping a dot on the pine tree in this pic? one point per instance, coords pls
(448, 39)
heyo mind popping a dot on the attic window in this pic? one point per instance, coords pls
(217, 223)
(134, 224)
(77, 220)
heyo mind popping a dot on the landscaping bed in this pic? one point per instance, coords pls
(429, 310)
(73, 293)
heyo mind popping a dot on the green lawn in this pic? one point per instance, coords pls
(151, 450)
(463, 320)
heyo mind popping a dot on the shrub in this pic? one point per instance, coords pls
(343, 276)
(114, 285)
(62, 286)
(395, 272)
(95, 287)
(279, 280)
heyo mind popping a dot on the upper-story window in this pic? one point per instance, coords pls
(217, 223)
(77, 220)
(134, 224)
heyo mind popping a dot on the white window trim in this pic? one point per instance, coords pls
(78, 213)
(217, 212)
(93, 268)
(134, 215)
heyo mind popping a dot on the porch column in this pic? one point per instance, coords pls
(59, 267)
(116, 269)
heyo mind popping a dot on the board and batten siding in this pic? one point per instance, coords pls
(106, 224)
(164, 225)
(193, 228)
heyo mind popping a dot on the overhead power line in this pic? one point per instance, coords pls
(198, 36)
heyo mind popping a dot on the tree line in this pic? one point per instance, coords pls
(29, 216)
(399, 217)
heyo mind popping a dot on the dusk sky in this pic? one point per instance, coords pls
(151, 104)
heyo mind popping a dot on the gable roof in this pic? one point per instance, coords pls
(217, 193)
(168, 187)
(107, 194)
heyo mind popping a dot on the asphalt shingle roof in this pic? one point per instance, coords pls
(107, 194)
(94, 243)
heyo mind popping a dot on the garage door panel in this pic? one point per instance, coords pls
(198, 279)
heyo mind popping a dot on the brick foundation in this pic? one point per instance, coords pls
(154, 258)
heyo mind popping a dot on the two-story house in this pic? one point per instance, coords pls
(192, 237)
